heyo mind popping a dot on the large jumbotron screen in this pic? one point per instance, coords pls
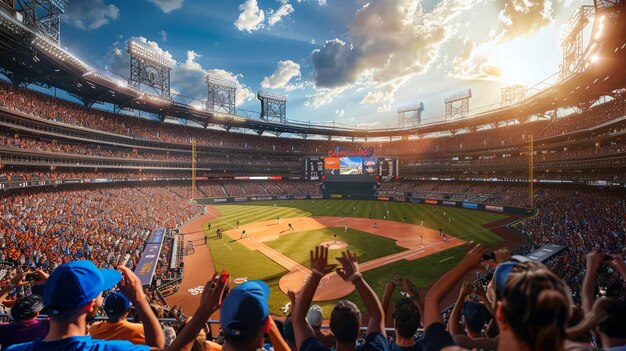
(316, 168)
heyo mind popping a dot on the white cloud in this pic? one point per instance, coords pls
(379, 96)
(323, 97)
(383, 108)
(163, 35)
(168, 6)
(387, 40)
(251, 17)
(522, 18)
(285, 70)
(319, 2)
(297, 86)
(340, 113)
(277, 16)
(89, 14)
(474, 62)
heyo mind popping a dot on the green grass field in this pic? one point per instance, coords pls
(242, 262)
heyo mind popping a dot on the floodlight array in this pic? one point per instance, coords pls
(273, 96)
(143, 51)
(411, 107)
(459, 95)
(55, 51)
(222, 81)
(13, 25)
(156, 99)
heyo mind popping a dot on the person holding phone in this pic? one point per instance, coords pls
(73, 296)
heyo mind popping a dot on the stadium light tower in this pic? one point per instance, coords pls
(222, 94)
(572, 42)
(43, 15)
(149, 67)
(410, 116)
(512, 94)
(273, 106)
(457, 104)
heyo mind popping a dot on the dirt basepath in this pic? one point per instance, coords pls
(198, 266)
(332, 286)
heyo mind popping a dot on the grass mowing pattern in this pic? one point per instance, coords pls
(367, 246)
(241, 262)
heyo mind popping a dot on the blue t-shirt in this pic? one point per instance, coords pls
(373, 342)
(78, 343)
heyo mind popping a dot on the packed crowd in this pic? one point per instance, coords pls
(58, 147)
(104, 225)
(522, 305)
(581, 219)
(43, 106)
(257, 188)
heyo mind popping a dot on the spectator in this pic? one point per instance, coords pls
(345, 317)
(474, 317)
(25, 327)
(73, 295)
(406, 315)
(314, 317)
(244, 316)
(116, 327)
(200, 343)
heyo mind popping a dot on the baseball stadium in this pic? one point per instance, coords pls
(139, 188)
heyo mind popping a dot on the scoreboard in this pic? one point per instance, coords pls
(313, 168)
(382, 167)
(388, 167)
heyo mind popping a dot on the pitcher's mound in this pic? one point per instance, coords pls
(332, 245)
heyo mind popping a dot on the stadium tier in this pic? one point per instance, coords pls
(501, 228)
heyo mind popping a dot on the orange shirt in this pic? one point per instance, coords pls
(122, 330)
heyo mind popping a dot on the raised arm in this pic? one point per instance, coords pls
(301, 302)
(594, 260)
(15, 282)
(210, 302)
(432, 313)
(350, 273)
(389, 288)
(455, 315)
(278, 342)
(414, 294)
(131, 288)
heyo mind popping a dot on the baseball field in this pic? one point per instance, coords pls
(389, 238)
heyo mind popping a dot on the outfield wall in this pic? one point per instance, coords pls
(426, 201)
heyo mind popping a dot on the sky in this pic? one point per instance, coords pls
(351, 62)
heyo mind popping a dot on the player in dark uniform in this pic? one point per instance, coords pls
(290, 226)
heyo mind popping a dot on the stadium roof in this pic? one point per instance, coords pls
(29, 57)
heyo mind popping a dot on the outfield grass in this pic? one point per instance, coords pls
(242, 262)
(366, 246)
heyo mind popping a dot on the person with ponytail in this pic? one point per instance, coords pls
(532, 307)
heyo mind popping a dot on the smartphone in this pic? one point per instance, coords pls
(608, 257)
(489, 256)
(32, 277)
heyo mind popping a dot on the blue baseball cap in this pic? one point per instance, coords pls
(501, 275)
(245, 309)
(74, 284)
(116, 304)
